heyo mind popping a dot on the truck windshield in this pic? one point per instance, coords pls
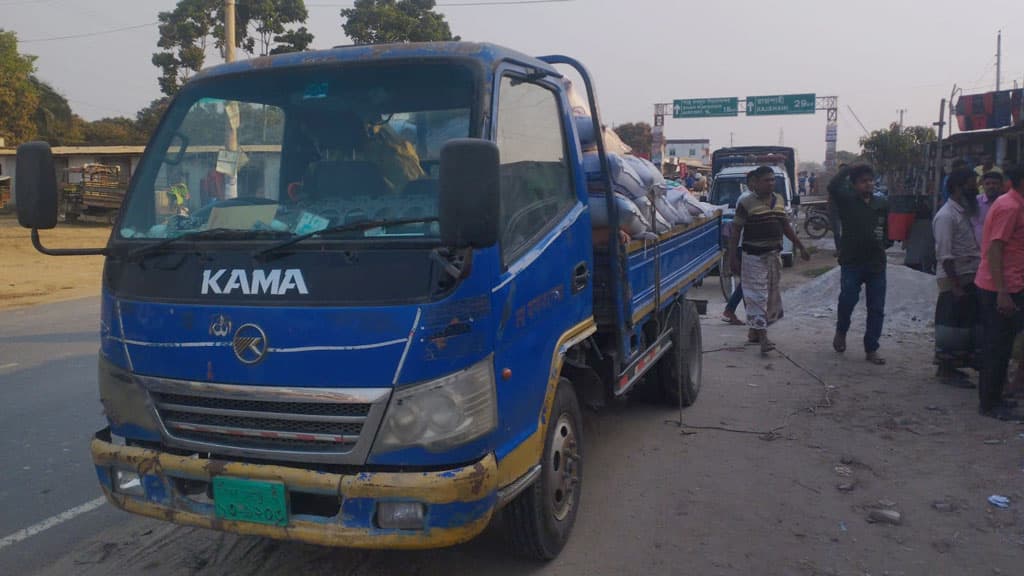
(726, 190)
(302, 150)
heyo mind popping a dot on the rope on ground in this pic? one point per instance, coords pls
(828, 389)
(768, 435)
(725, 349)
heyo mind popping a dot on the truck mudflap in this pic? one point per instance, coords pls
(457, 504)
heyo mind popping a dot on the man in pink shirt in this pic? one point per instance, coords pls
(1000, 282)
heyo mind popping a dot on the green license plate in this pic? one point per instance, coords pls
(250, 501)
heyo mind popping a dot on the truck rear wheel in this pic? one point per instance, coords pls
(680, 371)
(540, 519)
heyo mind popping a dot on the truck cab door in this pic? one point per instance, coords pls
(544, 289)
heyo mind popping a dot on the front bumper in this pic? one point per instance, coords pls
(459, 502)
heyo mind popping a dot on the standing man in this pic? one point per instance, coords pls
(987, 165)
(992, 188)
(762, 220)
(956, 249)
(859, 221)
(1000, 281)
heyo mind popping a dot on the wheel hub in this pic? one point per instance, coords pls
(563, 467)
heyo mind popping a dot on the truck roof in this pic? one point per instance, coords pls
(490, 54)
(742, 170)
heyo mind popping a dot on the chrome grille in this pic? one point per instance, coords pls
(307, 424)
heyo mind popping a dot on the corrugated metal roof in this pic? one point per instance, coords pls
(86, 150)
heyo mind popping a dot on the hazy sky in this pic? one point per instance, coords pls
(876, 56)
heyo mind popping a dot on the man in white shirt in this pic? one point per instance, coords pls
(958, 255)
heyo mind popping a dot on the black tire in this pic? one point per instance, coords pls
(726, 280)
(816, 226)
(540, 519)
(787, 260)
(679, 372)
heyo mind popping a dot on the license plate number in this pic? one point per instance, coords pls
(250, 501)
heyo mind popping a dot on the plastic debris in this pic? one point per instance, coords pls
(842, 526)
(999, 501)
(880, 516)
(843, 470)
(846, 486)
(993, 442)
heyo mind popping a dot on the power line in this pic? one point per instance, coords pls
(457, 4)
(89, 34)
(25, 2)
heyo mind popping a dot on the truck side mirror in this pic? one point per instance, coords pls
(35, 186)
(469, 192)
(796, 200)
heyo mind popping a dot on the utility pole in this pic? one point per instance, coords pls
(999, 58)
(231, 108)
(229, 30)
(937, 190)
(901, 111)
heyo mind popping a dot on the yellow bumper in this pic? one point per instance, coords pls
(460, 502)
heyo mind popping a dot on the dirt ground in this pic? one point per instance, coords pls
(775, 470)
(28, 277)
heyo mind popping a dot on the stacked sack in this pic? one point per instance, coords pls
(636, 184)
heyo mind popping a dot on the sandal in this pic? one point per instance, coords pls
(839, 343)
(874, 358)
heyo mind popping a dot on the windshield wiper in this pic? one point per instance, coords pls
(143, 251)
(352, 226)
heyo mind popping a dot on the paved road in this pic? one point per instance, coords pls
(50, 409)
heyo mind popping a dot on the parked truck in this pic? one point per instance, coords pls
(98, 192)
(384, 331)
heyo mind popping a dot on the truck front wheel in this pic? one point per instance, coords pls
(540, 519)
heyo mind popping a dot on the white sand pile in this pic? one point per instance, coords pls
(909, 300)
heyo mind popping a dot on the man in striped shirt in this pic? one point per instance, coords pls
(762, 221)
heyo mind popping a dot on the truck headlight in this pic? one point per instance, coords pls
(441, 413)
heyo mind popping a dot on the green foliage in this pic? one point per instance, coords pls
(260, 29)
(636, 135)
(292, 41)
(896, 149)
(268, 19)
(19, 97)
(847, 157)
(394, 21)
(147, 119)
(119, 131)
(54, 121)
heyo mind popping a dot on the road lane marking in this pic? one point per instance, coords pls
(8, 365)
(51, 522)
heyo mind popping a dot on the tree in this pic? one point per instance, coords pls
(118, 131)
(296, 40)
(268, 19)
(392, 21)
(636, 135)
(896, 151)
(19, 97)
(53, 119)
(847, 157)
(147, 119)
(187, 31)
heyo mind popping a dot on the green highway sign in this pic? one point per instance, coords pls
(785, 104)
(705, 107)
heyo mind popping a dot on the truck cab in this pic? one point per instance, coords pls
(354, 298)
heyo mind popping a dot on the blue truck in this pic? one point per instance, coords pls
(354, 298)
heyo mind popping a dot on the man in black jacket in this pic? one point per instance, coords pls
(859, 222)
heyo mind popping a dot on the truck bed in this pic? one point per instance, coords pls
(685, 254)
